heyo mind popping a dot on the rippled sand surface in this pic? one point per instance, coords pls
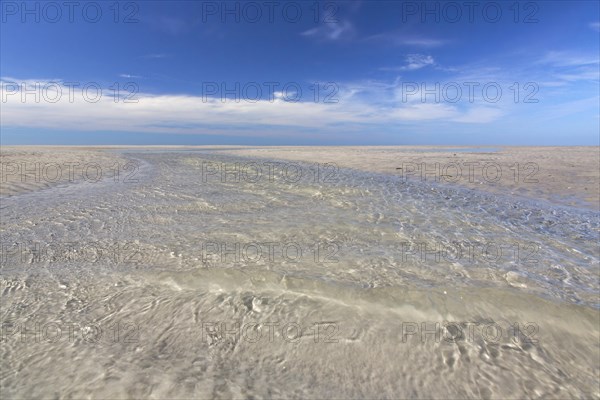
(25, 169)
(176, 283)
(563, 175)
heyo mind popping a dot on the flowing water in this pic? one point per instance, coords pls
(175, 281)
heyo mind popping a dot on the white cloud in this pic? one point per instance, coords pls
(363, 103)
(422, 42)
(570, 67)
(155, 55)
(595, 26)
(569, 59)
(417, 61)
(331, 31)
(424, 112)
(480, 115)
(402, 39)
(572, 107)
(580, 74)
(413, 63)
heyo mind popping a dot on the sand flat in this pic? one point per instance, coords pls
(192, 272)
(31, 168)
(564, 175)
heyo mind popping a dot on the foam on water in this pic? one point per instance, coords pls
(162, 290)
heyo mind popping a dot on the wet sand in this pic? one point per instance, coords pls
(31, 168)
(565, 175)
(562, 175)
(163, 282)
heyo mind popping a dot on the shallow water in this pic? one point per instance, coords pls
(328, 285)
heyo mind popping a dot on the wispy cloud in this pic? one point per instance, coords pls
(128, 76)
(569, 59)
(331, 31)
(573, 107)
(595, 26)
(564, 66)
(580, 74)
(422, 42)
(344, 29)
(155, 56)
(403, 39)
(413, 63)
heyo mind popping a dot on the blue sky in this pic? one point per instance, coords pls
(396, 72)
